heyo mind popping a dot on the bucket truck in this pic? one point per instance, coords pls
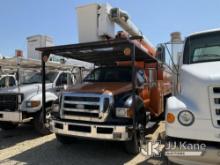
(117, 99)
(21, 102)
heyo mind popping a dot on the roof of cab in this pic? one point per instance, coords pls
(204, 32)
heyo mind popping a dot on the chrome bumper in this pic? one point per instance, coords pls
(102, 132)
(211, 156)
(11, 116)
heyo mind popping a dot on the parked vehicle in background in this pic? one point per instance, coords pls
(23, 102)
(193, 114)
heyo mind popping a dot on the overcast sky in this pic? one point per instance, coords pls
(57, 18)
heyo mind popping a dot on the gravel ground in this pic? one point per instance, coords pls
(24, 146)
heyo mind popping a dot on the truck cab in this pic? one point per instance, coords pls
(23, 102)
(101, 107)
(101, 104)
(193, 114)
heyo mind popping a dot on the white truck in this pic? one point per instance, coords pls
(193, 114)
(22, 103)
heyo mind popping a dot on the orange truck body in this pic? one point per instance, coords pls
(154, 97)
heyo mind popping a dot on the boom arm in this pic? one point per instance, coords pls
(123, 20)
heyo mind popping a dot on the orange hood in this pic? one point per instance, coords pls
(102, 87)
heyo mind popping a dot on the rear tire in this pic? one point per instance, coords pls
(8, 125)
(64, 139)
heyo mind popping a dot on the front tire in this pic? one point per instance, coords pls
(8, 125)
(39, 124)
(133, 146)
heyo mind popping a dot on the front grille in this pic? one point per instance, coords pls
(84, 114)
(214, 96)
(89, 99)
(216, 89)
(85, 107)
(9, 102)
(217, 111)
(90, 107)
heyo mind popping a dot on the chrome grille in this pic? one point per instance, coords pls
(214, 96)
(86, 107)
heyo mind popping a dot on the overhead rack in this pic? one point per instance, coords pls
(102, 52)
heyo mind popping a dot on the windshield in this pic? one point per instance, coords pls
(37, 78)
(202, 48)
(110, 74)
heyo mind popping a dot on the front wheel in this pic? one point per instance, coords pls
(132, 146)
(8, 125)
(39, 124)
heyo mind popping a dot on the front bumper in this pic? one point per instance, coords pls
(210, 156)
(93, 131)
(11, 116)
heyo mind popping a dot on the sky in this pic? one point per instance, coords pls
(57, 18)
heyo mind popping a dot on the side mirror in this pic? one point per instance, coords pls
(161, 53)
(75, 70)
(177, 51)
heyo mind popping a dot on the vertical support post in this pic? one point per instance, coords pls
(134, 90)
(43, 86)
(81, 76)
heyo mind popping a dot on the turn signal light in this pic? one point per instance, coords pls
(130, 113)
(170, 118)
(127, 51)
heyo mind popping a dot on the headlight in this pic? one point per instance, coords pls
(32, 104)
(186, 118)
(124, 112)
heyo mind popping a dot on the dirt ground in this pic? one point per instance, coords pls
(24, 146)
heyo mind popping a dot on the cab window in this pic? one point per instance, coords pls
(62, 80)
(141, 80)
(12, 81)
